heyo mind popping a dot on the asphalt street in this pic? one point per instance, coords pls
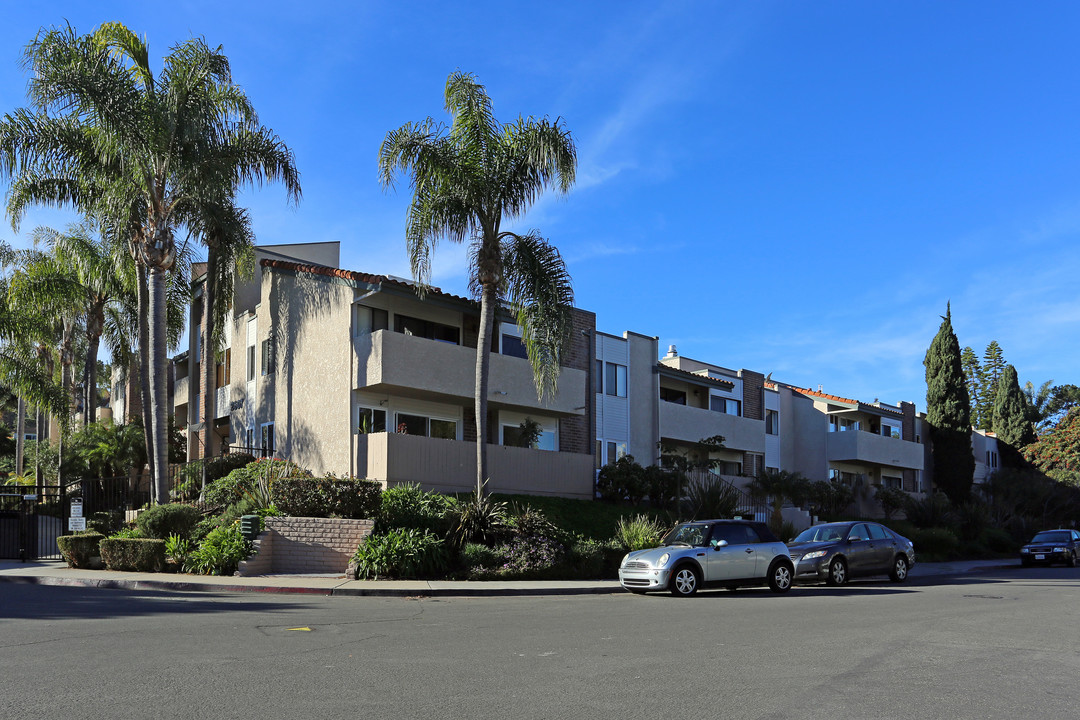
(990, 645)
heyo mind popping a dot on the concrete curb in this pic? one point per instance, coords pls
(350, 588)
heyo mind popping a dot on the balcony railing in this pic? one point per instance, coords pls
(450, 466)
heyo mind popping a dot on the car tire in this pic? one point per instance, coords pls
(899, 571)
(780, 577)
(838, 573)
(685, 581)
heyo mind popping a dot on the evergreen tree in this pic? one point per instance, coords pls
(973, 375)
(993, 365)
(1011, 415)
(948, 413)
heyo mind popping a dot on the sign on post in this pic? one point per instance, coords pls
(76, 508)
(76, 523)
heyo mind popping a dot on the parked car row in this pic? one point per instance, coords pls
(739, 553)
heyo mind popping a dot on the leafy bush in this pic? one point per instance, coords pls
(532, 559)
(934, 544)
(106, 522)
(480, 519)
(161, 521)
(79, 549)
(999, 541)
(133, 554)
(328, 496)
(409, 506)
(591, 559)
(401, 554)
(529, 522)
(708, 497)
(890, 499)
(662, 486)
(930, 512)
(233, 487)
(481, 561)
(128, 533)
(638, 533)
(220, 552)
(831, 499)
(178, 549)
(621, 480)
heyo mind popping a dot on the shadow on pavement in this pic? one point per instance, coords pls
(39, 602)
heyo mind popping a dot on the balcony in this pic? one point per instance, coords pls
(857, 446)
(690, 424)
(180, 391)
(412, 366)
(450, 466)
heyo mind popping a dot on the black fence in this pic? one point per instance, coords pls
(31, 518)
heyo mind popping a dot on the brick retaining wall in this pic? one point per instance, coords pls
(305, 545)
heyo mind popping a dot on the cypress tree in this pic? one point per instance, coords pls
(948, 413)
(1012, 423)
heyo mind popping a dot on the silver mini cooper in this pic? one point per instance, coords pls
(703, 553)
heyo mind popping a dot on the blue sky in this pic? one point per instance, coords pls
(795, 188)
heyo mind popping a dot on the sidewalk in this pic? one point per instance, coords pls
(56, 572)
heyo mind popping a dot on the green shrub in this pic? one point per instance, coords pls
(481, 519)
(622, 480)
(481, 561)
(930, 512)
(133, 554)
(242, 481)
(932, 544)
(178, 549)
(106, 522)
(638, 533)
(591, 559)
(529, 522)
(128, 533)
(161, 521)
(220, 552)
(409, 506)
(708, 498)
(401, 554)
(999, 541)
(79, 549)
(328, 496)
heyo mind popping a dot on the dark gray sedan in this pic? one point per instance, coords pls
(837, 552)
(1052, 546)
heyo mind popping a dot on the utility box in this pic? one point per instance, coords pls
(250, 526)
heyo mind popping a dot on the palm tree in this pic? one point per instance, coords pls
(110, 139)
(81, 273)
(466, 181)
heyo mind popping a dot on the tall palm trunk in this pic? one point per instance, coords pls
(159, 389)
(144, 367)
(20, 436)
(209, 353)
(95, 321)
(483, 348)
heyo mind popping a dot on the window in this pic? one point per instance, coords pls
(368, 319)
(615, 379)
(268, 356)
(598, 377)
(891, 482)
(511, 435)
(370, 420)
(267, 439)
(842, 424)
(772, 469)
(892, 431)
(673, 396)
(725, 405)
(877, 532)
(427, 329)
(223, 369)
(728, 467)
(249, 438)
(251, 362)
(421, 425)
(772, 422)
(615, 451)
(512, 344)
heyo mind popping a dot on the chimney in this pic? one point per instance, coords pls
(671, 352)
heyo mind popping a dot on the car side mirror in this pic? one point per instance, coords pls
(720, 544)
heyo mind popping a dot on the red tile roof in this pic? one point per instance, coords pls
(354, 275)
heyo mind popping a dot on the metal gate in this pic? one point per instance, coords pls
(31, 518)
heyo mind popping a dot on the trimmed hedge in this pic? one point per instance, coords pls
(137, 554)
(161, 521)
(355, 498)
(78, 549)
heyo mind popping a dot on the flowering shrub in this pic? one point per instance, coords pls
(531, 559)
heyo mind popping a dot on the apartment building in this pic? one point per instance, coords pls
(354, 373)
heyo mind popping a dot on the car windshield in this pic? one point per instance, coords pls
(1061, 537)
(687, 534)
(821, 533)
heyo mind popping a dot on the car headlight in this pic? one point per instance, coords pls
(663, 560)
(624, 559)
(1059, 549)
(815, 554)
(1025, 550)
